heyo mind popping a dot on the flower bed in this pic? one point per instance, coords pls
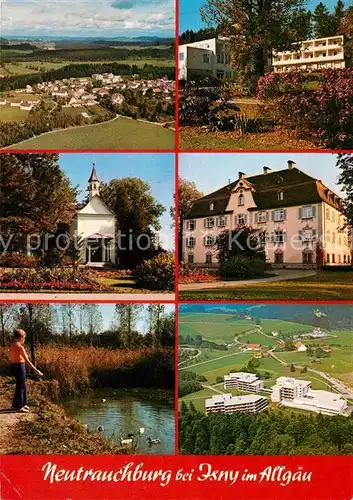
(113, 274)
(17, 260)
(198, 279)
(50, 279)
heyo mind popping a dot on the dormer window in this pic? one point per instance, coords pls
(211, 206)
(241, 200)
(280, 195)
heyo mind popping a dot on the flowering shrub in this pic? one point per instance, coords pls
(49, 279)
(324, 113)
(188, 271)
(157, 273)
(112, 274)
(242, 267)
(17, 260)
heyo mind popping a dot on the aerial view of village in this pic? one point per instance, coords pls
(104, 86)
(265, 379)
(276, 75)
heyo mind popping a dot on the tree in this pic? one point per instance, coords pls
(322, 21)
(155, 317)
(292, 368)
(187, 195)
(346, 29)
(68, 312)
(92, 319)
(345, 165)
(137, 214)
(7, 312)
(36, 197)
(337, 17)
(128, 315)
(36, 320)
(255, 29)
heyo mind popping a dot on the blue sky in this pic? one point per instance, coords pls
(107, 311)
(205, 171)
(156, 169)
(84, 18)
(189, 12)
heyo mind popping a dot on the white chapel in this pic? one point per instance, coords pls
(96, 225)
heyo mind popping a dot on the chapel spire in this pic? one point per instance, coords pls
(93, 183)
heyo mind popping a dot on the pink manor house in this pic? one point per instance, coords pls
(302, 219)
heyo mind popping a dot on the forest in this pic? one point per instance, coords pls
(267, 433)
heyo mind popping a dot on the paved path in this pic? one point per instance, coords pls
(212, 388)
(87, 297)
(337, 384)
(211, 360)
(281, 275)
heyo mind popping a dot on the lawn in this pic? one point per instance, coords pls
(121, 133)
(325, 285)
(12, 114)
(13, 97)
(197, 138)
(220, 367)
(340, 360)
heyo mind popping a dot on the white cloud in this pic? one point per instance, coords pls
(81, 17)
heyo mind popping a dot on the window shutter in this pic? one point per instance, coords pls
(245, 219)
(314, 233)
(285, 236)
(314, 211)
(225, 220)
(273, 215)
(273, 237)
(204, 241)
(187, 242)
(300, 213)
(284, 214)
(204, 223)
(267, 216)
(217, 221)
(300, 235)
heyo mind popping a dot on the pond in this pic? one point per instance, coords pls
(126, 411)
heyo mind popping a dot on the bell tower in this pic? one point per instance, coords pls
(93, 183)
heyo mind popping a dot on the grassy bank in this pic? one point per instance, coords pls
(49, 431)
(74, 369)
(325, 285)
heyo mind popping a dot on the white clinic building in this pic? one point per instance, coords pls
(297, 393)
(210, 57)
(247, 382)
(311, 55)
(226, 403)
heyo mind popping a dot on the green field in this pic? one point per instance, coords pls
(325, 285)
(14, 97)
(27, 68)
(120, 133)
(12, 114)
(213, 363)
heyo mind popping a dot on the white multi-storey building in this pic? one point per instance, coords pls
(296, 393)
(301, 218)
(226, 403)
(288, 389)
(311, 55)
(210, 57)
(248, 382)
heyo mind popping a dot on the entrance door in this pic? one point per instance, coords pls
(94, 252)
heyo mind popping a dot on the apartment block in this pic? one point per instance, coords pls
(206, 57)
(301, 218)
(247, 382)
(289, 389)
(226, 403)
(297, 393)
(311, 55)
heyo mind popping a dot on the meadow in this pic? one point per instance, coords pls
(325, 285)
(120, 133)
(12, 114)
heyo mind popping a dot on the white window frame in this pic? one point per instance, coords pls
(307, 212)
(241, 200)
(261, 217)
(209, 223)
(280, 195)
(222, 222)
(239, 218)
(276, 217)
(191, 242)
(209, 241)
